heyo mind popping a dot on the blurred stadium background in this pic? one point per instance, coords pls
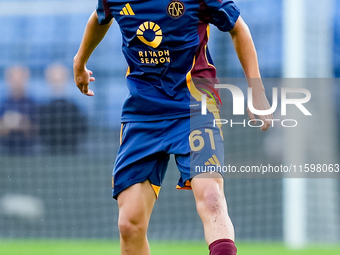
(65, 192)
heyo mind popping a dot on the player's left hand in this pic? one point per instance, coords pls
(260, 102)
(82, 78)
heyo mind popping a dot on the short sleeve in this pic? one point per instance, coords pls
(222, 13)
(104, 13)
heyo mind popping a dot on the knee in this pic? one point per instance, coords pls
(211, 201)
(131, 227)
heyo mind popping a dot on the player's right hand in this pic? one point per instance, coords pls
(82, 78)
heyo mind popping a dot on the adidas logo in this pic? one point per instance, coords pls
(213, 161)
(127, 10)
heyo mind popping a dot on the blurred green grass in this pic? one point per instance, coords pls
(87, 247)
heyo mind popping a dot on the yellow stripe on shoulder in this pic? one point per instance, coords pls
(129, 9)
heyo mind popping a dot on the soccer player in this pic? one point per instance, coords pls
(165, 46)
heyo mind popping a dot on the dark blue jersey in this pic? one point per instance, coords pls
(164, 43)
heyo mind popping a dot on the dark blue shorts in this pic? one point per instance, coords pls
(146, 147)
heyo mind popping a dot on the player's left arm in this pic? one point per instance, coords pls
(246, 52)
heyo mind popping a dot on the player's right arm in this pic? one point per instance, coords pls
(94, 33)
